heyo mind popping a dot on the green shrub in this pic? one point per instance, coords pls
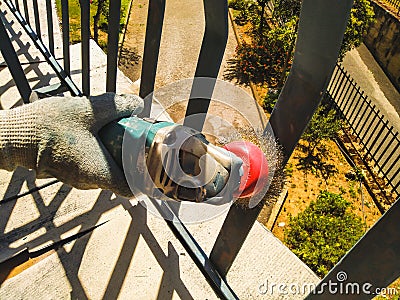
(323, 232)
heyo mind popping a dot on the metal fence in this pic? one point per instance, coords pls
(395, 4)
(379, 141)
(211, 53)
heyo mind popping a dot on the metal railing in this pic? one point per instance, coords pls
(395, 4)
(379, 141)
(211, 54)
(239, 221)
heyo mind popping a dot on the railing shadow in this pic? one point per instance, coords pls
(42, 73)
(49, 208)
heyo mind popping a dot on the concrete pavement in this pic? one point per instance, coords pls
(363, 68)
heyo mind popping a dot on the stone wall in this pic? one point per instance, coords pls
(383, 41)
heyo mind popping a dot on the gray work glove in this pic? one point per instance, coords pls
(57, 137)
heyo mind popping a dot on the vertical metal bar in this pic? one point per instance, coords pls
(355, 117)
(65, 33)
(390, 168)
(347, 106)
(210, 58)
(346, 88)
(381, 144)
(395, 149)
(333, 79)
(338, 84)
(369, 127)
(112, 45)
(37, 18)
(342, 104)
(366, 128)
(17, 4)
(26, 12)
(85, 34)
(394, 176)
(378, 135)
(14, 66)
(374, 262)
(320, 33)
(50, 26)
(350, 118)
(65, 79)
(155, 19)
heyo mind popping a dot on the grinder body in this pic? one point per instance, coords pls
(172, 159)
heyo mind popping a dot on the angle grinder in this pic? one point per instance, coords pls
(178, 162)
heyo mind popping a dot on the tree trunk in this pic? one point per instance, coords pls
(262, 19)
(96, 19)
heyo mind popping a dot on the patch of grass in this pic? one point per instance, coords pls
(75, 20)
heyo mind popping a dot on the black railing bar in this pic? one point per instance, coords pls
(358, 102)
(395, 174)
(112, 45)
(343, 104)
(37, 18)
(349, 102)
(199, 257)
(321, 28)
(356, 110)
(50, 32)
(17, 4)
(65, 36)
(346, 88)
(365, 143)
(395, 149)
(361, 106)
(333, 80)
(339, 84)
(47, 55)
(365, 119)
(350, 118)
(362, 119)
(394, 190)
(209, 62)
(155, 19)
(26, 12)
(377, 136)
(85, 47)
(370, 114)
(384, 139)
(12, 61)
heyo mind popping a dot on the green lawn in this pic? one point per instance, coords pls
(75, 23)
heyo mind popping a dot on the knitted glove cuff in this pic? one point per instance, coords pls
(18, 140)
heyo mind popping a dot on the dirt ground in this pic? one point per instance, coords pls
(303, 187)
(130, 62)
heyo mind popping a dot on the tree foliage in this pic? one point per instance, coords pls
(323, 232)
(361, 17)
(264, 60)
(323, 125)
(278, 34)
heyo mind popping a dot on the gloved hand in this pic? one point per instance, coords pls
(57, 137)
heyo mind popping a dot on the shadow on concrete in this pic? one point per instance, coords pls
(54, 238)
